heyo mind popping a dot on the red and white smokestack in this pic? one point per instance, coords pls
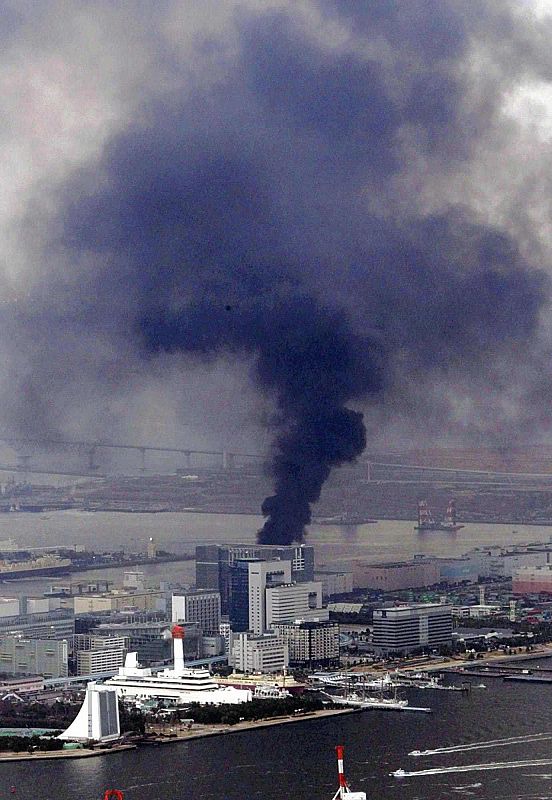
(340, 772)
(177, 632)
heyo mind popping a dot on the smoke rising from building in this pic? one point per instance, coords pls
(296, 188)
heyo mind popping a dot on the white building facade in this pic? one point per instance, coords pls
(263, 574)
(292, 601)
(261, 653)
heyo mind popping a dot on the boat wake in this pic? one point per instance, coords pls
(464, 748)
(537, 762)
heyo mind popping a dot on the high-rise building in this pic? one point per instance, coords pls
(214, 562)
(202, 607)
(249, 581)
(402, 629)
(96, 655)
(151, 640)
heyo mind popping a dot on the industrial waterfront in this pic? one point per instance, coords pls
(181, 531)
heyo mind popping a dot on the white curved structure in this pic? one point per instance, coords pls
(179, 685)
(98, 718)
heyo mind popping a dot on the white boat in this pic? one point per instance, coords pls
(384, 702)
(267, 691)
(344, 792)
(399, 773)
(179, 686)
(387, 703)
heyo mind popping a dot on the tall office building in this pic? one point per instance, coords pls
(402, 629)
(249, 581)
(202, 607)
(151, 640)
(96, 655)
(214, 562)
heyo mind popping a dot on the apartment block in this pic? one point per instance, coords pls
(311, 643)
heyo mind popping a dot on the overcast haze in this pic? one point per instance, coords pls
(230, 223)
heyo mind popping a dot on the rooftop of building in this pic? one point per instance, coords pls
(413, 607)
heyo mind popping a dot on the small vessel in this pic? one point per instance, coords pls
(267, 691)
(348, 518)
(399, 773)
(344, 792)
(384, 702)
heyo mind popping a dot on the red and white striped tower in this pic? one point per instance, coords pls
(344, 793)
(340, 772)
(177, 632)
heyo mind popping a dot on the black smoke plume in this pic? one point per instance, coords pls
(280, 199)
(308, 359)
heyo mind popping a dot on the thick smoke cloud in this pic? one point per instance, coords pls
(283, 196)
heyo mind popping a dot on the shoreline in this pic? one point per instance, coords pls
(200, 732)
(457, 664)
(51, 755)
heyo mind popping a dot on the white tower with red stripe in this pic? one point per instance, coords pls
(344, 793)
(177, 632)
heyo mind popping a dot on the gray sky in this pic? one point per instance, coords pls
(388, 161)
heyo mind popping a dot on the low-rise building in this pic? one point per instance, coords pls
(394, 576)
(58, 624)
(476, 611)
(46, 657)
(311, 643)
(20, 685)
(334, 581)
(264, 652)
(121, 600)
(533, 580)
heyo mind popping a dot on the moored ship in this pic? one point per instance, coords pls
(426, 522)
(42, 565)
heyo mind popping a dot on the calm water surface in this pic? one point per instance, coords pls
(180, 532)
(297, 761)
